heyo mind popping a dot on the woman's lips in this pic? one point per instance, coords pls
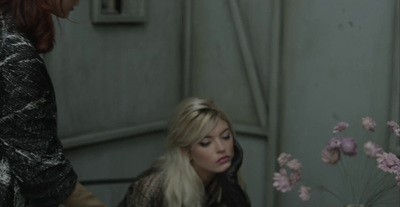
(223, 160)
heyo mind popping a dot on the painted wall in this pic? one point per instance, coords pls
(337, 65)
(285, 71)
(117, 83)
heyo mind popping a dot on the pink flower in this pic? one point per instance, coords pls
(398, 177)
(397, 132)
(283, 159)
(281, 181)
(394, 127)
(368, 123)
(330, 156)
(372, 150)
(304, 193)
(340, 127)
(388, 162)
(294, 165)
(294, 178)
(334, 143)
(349, 146)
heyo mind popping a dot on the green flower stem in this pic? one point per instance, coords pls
(377, 188)
(345, 177)
(379, 194)
(372, 174)
(332, 193)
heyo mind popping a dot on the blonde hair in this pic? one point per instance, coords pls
(191, 121)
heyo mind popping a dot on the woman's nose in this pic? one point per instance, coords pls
(220, 146)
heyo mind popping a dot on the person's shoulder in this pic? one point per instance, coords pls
(19, 58)
(14, 44)
(146, 189)
(149, 182)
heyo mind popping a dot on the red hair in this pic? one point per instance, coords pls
(33, 17)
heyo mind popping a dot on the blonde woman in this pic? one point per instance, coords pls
(200, 167)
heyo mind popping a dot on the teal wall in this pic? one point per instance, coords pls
(337, 65)
(285, 71)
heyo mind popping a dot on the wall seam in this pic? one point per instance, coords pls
(250, 67)
(395, 98)
(274, 99)
(187, 47)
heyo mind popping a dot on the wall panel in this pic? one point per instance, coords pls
(337, 66)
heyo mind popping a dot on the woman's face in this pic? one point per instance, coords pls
(213, 154)
(61, 8)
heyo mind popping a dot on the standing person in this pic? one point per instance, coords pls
(201, 165)
(33, 169)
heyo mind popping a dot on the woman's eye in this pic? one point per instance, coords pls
(227, 136)
(204, 144)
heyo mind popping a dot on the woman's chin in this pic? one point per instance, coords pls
(224, 167)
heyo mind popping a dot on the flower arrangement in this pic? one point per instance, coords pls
(366, 187)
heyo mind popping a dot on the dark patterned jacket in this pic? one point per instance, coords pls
(33, 169)
(147, 191)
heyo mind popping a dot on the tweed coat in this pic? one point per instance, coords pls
(33, 168)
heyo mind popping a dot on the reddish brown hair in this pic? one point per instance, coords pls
(33, 18)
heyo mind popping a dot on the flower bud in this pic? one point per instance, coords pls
(349, 146)
(330, 156)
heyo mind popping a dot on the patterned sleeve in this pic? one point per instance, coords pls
(28, 128)
(145, 191)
